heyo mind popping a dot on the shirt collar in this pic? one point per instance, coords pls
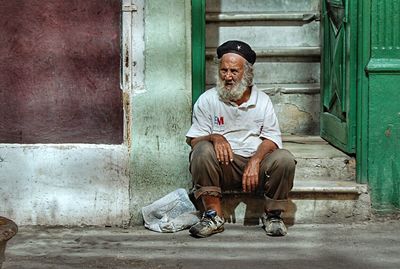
(253, 98)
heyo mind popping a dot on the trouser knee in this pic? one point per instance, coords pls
(280, 161)
(278, 170)
(205, 169)
(203, 153)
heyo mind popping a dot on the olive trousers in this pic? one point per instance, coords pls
(211, 177)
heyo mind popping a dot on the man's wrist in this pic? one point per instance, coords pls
(256, 158)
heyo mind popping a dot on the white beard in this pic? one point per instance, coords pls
(233, 94)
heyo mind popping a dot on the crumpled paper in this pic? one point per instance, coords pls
(172, 213)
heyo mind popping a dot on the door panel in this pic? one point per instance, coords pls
(338, 74)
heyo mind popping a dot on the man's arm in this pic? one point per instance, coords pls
(222, 147)
(251, 172)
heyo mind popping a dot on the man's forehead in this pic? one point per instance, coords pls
(232, 59)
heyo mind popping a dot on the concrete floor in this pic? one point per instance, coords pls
(375, 244)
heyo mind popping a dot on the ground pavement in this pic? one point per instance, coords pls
(374, 244)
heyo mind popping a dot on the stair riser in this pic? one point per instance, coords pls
(271, 73)
(297, 113)
(334, 208)
(326, 169)
(306, 35)
(261, 5)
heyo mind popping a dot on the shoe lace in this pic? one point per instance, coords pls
(275, 219)
(207, 221)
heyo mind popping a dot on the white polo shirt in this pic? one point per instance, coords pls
(243, 126)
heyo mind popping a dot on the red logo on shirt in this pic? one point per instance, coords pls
(219, 120)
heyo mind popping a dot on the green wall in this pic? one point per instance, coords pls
(161, 114)
(383, 123)
(384, 141)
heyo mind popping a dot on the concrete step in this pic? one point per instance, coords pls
(324, 189)
(262, 5)
(281, 54)
(294, 88)
(298, 88)
(266, 35)
(276, 72)
(262, 16)
(318, 160)
(310, 201)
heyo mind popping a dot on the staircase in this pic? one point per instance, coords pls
(285, 36)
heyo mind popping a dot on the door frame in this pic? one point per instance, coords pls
(198, 48)
(360, 49)
(364, 56)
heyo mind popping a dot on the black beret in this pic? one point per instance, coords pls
(238, 47)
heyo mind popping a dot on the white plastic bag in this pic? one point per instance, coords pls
(171, 213)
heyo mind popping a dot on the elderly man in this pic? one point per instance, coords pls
(236, 144)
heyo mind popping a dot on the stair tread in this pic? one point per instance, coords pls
(292, 88)
(288, 51)
(342, 186)
(288, 88)
(303, 139)
(314, 150)
(322, 186)
(263, 16)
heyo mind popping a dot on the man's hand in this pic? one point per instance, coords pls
(222, 148)
(251, 171)
(250, 175)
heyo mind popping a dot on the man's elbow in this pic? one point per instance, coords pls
(271, 144)
(189, 141)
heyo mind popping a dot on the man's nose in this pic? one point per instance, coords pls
(228, 75)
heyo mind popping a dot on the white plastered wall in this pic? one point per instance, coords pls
(77, 184)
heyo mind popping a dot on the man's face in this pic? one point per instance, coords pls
(230, 82)
(231, 69)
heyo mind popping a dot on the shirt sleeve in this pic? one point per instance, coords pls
(271, 130)
(201, 120)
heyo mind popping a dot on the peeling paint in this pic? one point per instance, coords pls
(128, 114)
(126, 78)
(388, 131)
(297, 113)
(160, 111)
(292, 118)
(126, 56)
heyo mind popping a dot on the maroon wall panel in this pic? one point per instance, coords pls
(59, 71)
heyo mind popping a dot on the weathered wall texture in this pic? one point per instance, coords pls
(297, 113)
(59, 72)
(64, 185)
(72, 184)
(59, 82)
(161, 112)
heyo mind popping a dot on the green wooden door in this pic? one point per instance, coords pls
(338, 73)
